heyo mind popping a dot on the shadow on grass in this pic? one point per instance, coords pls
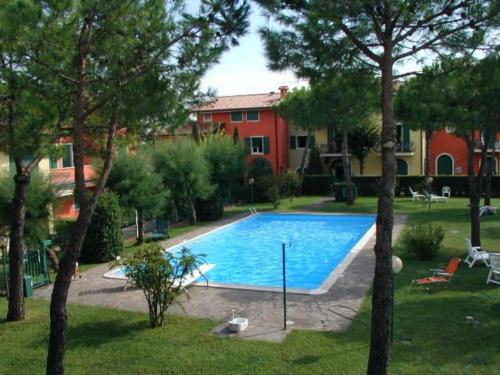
(92, 334)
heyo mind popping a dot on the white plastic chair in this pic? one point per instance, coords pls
(474, 253)
(415, 195)
(494, 275)
(446, 191)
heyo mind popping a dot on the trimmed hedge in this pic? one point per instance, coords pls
(367, 185)
(104, 239)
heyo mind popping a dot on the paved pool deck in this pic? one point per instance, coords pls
(330, 311)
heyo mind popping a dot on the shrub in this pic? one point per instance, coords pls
(423, 241)
(315, 165)
(273, 191)
(261, 171)
(159, 274)
(289, 182)
(104, 239)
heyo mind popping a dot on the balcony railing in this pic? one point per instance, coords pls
(479, 145)
(64, 179)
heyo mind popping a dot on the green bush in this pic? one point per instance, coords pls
(423, 241)
(289, 184)
(104, 240)
(261, 171)
(159, 275)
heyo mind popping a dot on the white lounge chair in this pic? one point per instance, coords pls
(487, 210)
(446, 191)
(494, 275)
(436, 198)
(184, 282)
(416, 196)
(474, 254)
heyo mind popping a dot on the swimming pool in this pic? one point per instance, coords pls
(248, 253)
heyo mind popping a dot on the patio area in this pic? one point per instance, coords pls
(331, 311)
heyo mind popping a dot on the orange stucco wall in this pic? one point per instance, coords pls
(64, 208)
(448, 143)
(269, 125)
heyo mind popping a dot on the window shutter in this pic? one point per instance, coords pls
(312, 141)
(293, 142)
(53, 158)
(266, 145)
(68, 156)
(247, 145)
(406, 139)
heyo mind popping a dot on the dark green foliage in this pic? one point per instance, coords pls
(211, 208)
(363, 139)
(159, 275)
(226, 164)
(63, 232)
(137, 185)
(104, 239)
(40, 196)
(422, 241)
(315, 165)
(185, 172)
(236, 135)
(289, 184)
(273, 192)
(260, 169)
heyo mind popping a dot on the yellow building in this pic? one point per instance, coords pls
(410, 155)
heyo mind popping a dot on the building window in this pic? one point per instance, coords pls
(67, 159)
(207, 117)
(402, 167)
(256, 145)
(444, 165)
(253, 116)
(404, 144)
(300, 141)
(237, 116)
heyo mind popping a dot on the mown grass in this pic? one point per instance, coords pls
(455, 330)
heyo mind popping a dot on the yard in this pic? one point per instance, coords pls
(451, 331)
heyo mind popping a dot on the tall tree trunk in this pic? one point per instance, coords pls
(382, 284)
(490, 153)
(428, 145)
(474, 196)
(303, 160)
(488, 179)
(58, 315)
(347, 167)
(140, 226)
(361, 166)
(194, 219)
(16, 250)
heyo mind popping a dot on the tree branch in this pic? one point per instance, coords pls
(367, 51)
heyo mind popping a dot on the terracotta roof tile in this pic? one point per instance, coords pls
(234, 102)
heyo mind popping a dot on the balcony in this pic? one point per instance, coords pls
(64, 179)
(479, 145)
(327, 150)
(405, 149)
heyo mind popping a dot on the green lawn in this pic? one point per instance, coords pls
(433, 332)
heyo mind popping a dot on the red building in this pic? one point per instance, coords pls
(62, 174)
(449, 154)
(263, 131)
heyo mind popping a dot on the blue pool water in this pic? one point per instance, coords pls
(249, 251)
